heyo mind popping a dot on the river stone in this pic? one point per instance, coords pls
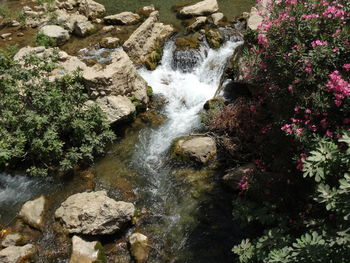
(139, 247)
(146, 10)
(83, 28)
(55, 32)
(198, 23)
(109, 42)
(120, 77)
(200, 148)
(217, 18)
(116, 108)
(202, 8)
(147, 38)
(32, 212)
(12, 240)
(124, 18)
(17, 254)
(86, 252)
(91, 9)
(94, 213)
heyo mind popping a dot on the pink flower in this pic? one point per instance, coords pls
(262, 40)
(339, 86)
(319, 43)
(252, 108)
(346, 67)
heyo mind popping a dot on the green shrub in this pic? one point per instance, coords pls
(45, 125)
(44, 40)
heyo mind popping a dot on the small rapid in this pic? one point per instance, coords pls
(185, 90)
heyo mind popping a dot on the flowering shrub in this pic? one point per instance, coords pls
(301, 76)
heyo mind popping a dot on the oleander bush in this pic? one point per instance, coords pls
(45, 125)
(296, 205)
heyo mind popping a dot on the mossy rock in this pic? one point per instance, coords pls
(214, 38)
(211, 109)
(187, 42)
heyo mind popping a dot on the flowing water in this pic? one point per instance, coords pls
(186, 214)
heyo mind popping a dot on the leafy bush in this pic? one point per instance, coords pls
(297, 203)
(44, 40)
(45, 125)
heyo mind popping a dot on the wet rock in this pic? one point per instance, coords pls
(202, 8)
(217, 18)
(146, 10)
(16, 254)
(91, 9)
(83, 28)
(15, 23)
(124, 18)
(94, 213)
(110, 42)
(120, 77)
(56, 32)
(139, 247)
(5, 35)
(12, 240)
(32, 212)
(117, 108)
(232, 178)
(148, 37)
(200, 149)
(198, 23)
(86, 252)
(121, 253)
(214, 38)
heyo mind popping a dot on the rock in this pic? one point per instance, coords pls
(109, 42)
(120, 77)
(32, 212)
(94, 213)
(55, 32)
(233, 178)
(202, 8)
(255, 18)
(91, 9)
(146, 10)
(200, 149)
(124, 18)
(139, 247)
(198, 23)
(15, 254)
(15, 23)
(107, 29)
(20, 34)
(26, 8)
(217, 18)
(117, 108)
(5, 35)
(83, 28)
(12, 240)
(147, 38)
(86, 252)
(214, 38)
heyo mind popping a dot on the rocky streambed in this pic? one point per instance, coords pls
(157, 195)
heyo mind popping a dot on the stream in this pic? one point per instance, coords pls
(186, 213)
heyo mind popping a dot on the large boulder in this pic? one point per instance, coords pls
(139, 247)
(120, 77)
(94, 213)
(32, 212)
(147, 38)
(217, 18)
(86, 252)
(200, 148)
(116, 108)
(59, 34)
(16, 254)
(202, 8)
(124, 18)
(91, 9)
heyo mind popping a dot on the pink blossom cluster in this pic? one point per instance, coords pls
(319, 43)
(339, 86)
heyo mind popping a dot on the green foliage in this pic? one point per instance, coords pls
(44, 40)
(45, 124)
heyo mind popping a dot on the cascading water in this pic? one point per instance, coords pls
(185, 91)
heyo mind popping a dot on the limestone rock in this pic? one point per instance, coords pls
(85, 252)
(91, 9)
(83, 28)
(55, 32)
(214, 38)
(146, 10)
(200, 149)
(94, 213)
(120, 77)
(139, 247)
(198, 23)
(124, 18)
(147, 38)
(107, 29)
(202, 8)
(217, 18)
(11, 240)
(109, 42)
(117, 108)
(32, 212)
(255, 19)
(16, 254)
